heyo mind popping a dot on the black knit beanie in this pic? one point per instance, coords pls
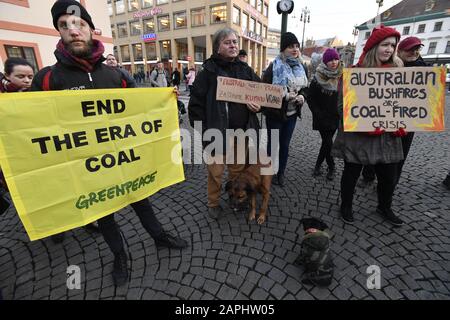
(287, 39)
(62, 7)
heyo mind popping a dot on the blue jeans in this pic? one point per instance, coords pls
(286, 129)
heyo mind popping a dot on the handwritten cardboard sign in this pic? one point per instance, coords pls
(394, 98)
(242, 91)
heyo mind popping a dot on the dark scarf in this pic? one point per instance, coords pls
(224, 64)
(7, 86)
(418, 63)
(86, 64)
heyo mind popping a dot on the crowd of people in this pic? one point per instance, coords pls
(81, 65)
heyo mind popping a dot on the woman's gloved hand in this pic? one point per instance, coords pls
(300, 99)
(378, 132)
(400, 133)
(291, 96)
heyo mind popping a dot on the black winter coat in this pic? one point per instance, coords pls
(221, 115)
(176, 78)
(67, 76)
(418, 63)
(280, 114)
(323, 106)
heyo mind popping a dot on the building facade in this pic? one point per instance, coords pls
(429, 20)
(179, 32)
(273, 45)
(26, 30)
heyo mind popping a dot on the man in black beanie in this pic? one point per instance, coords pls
(80, 67)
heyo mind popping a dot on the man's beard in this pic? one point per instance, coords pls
(80, 52)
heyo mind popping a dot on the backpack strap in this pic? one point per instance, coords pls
(46, 81)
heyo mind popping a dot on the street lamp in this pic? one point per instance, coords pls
(355, 33)
(305, 17)
(380, 4)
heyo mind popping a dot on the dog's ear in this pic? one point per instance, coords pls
(306, 222)
(228, 186)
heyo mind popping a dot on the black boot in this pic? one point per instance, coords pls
(390, 216)
(317, 171)
(331, 173)
(446, 182)
(120, 271)
(169, 241)
(347, 214)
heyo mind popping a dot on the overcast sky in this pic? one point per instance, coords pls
(329, 18)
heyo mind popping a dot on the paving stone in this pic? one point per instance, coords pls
(259, 294)
(226, 293)
(278, 291)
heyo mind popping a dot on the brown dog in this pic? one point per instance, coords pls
(242, 191)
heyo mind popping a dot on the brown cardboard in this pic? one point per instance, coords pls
(394, 98)
(242, 91)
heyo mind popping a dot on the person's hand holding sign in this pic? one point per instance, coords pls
(291, 96)
(378, 132)
(300, 99)
(400, 133)
(175, 90)
(253, 107)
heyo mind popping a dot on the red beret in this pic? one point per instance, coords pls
(378, 34)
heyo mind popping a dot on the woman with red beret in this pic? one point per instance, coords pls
(381, 150)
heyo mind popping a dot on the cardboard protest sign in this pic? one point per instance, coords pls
(242, 91)
(72, 157)
(394, 98)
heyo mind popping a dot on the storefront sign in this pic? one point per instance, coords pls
(147, 13)
(252, 35)
(149, 37)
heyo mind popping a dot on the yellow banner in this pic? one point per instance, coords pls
(412, 99)
(72, 157)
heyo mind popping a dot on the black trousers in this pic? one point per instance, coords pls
(406, 144)
(387, 180)
(368, 173)
(111, 232)
(325, 149)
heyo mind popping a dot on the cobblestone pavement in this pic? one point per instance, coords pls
(231, 259)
